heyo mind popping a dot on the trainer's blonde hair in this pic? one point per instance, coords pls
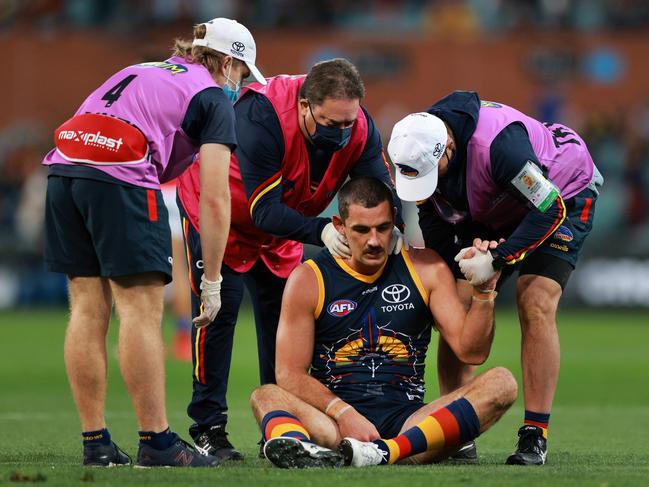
(211, 59)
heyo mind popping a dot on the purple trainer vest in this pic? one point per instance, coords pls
(559, 150)
(153, 97)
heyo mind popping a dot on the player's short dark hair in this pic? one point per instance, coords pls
(365, 191)
(336, 78)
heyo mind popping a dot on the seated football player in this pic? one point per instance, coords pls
(351, 349)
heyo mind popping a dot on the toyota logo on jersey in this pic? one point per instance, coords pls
(395, 293)
(341, 307)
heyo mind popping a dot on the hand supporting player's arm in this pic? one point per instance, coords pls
(295, 342)
(468, 333)
(214, 218)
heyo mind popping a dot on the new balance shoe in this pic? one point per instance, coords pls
(467, 454)
(361, 453)
(98, 455)
(532, 448)
(179, 454)
(286, 452)
(214, 441)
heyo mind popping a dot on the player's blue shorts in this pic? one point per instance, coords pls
(97, 228)
(386, 411)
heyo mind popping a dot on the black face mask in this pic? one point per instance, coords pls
(330, 139)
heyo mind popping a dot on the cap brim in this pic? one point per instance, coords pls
(256, 74)
(416, 189)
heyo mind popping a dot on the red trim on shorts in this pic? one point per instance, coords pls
(201, 363)
(152, 204)
(586, 210)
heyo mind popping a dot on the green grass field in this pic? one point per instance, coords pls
(599, 431)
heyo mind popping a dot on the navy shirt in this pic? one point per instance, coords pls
(510, 150)
(260, 153)
(209, 120)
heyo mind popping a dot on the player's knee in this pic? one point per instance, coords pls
(263, 395)
(504, 386)
(537, 304)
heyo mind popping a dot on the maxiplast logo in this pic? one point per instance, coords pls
(95, 139)
(341, 307)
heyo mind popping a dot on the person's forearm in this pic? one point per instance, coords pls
(214, 217)
(306, 388)
(478, 330)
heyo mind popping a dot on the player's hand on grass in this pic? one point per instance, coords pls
(353, 424)
(397, 242)
(210, 301)
(335, 242)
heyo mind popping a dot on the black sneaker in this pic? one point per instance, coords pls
(98, 455)
(532, 447)
(214, 441)
(286, 452)
(180, 454)
(467, 454)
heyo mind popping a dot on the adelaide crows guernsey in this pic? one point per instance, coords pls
(372, 332)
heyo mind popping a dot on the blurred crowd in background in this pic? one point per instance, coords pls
(619, 141)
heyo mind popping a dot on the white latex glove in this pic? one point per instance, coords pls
(397, 241)
(210, 301)
(335, 242)
(460, 255)
(478, 269)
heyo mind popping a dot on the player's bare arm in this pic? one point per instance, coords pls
(470, 333)
(295, 336)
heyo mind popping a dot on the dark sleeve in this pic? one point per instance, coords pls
(210, 118)
(510, 152)
(260, 153)
(372, 163)
(438, 234)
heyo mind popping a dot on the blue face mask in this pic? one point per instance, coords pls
(330, 139)
(231, 93)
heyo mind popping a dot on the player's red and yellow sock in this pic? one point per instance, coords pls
(449, 426)
(540, 420)
(282, 423)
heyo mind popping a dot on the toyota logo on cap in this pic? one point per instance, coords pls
(395, 293)
(238, 46)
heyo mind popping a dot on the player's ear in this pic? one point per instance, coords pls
(303, 105)
(338, 223)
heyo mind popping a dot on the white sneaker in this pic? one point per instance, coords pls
(286, 452)
(361, 453)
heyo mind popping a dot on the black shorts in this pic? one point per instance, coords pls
(388, 412)
(96, 228)
(557, 256)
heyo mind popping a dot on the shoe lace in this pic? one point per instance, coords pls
(530, 442)
(218, 438)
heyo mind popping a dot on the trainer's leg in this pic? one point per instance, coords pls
(139, 303)
(266, 291)
(85, 347)
(537, 299)
(278, 413)
(452, 373)
(440, 427)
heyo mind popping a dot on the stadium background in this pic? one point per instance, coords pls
(581, 62)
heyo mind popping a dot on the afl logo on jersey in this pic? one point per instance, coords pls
(341, 307)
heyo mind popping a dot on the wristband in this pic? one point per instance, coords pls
(336, 408)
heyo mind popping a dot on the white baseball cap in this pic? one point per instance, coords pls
(417, 144)
(232, 38)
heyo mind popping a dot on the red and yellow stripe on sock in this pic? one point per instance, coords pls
(282, 423)
(540, 420)
(452, 425)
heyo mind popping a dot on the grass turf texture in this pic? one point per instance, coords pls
(598, 431)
